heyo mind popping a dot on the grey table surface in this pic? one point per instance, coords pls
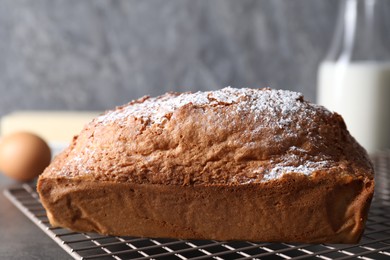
(20, 238)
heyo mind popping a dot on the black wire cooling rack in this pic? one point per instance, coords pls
(375, 243)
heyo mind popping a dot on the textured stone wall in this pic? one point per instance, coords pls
(80, 54)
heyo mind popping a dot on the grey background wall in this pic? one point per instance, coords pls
(87, 55)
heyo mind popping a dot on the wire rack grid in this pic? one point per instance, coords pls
(375, 243)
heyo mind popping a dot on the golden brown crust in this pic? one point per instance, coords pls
(266, 163)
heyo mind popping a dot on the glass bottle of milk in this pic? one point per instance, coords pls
(354, 79)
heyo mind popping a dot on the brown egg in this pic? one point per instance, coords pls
(23, 156)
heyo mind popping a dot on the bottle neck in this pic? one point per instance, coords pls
(362, 33)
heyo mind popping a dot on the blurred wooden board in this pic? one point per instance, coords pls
(53, 126)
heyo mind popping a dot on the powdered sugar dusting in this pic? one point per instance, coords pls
(274, 103)
(307, 168)
(156, 109)
(294, 161)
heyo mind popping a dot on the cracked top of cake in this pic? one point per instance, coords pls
(229, 136)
